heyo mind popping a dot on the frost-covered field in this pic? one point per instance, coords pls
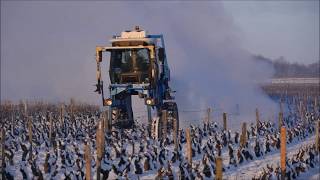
(40, 147)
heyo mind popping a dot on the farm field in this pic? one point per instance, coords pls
(73, 141)
(159, 90)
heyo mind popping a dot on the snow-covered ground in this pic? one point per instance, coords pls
(250, 169)
(152, 158)
(313, 174)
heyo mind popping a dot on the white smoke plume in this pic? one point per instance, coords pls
(48, 52)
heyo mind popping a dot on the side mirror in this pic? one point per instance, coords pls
(161, 54)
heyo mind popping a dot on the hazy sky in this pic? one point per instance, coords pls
(47, 48)
(279, 28)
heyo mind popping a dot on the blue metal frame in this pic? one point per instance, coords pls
(156, 93)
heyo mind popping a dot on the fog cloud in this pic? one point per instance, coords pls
(48, 52)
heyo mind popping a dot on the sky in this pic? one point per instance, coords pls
(279, 28)
(47, 48)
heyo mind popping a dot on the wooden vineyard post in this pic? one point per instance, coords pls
(30, 129)
(100, 146)
(218, 168)
(106, 121)
(30, 134)
(317, 143)
(72, 113)
(25, 106)
(280, 119)
(208, 116)
(102, 133)
(257, 119)
(72, 110)
(87, 157)
(50, 128)
(189, 146)
(12, 123)
(315, 104)
(281, 105)
(133, 148)
(301, 110)
(175, 134)
(61, 114)
(164, 121)
(243, 137)
(224, 121)
(3, 137)
(283, 152)
(107, 124)
(155, 126)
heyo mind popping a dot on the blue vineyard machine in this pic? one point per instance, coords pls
(138, 66)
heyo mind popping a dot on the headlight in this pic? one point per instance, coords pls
(108, 102)
(149, 101)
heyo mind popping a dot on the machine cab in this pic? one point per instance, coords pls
(129, 66)
(137, 66)
(131, 57)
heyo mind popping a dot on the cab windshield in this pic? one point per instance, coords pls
(129, 65)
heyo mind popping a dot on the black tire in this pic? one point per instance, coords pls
(173, 115)
(121, 119)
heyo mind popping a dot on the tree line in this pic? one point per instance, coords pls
(283, 68)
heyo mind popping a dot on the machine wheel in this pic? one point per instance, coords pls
(120, 118)
(172, 116)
